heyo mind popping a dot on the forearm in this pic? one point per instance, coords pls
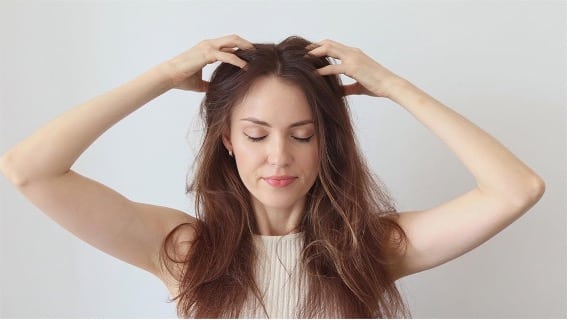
(496, 170)
(52, 149)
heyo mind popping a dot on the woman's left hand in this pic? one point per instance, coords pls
(372, 78)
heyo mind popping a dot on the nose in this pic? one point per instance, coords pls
(279, 153)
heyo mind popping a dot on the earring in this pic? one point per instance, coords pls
(231, 153)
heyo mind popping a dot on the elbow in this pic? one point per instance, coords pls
(7, 168)
(540, 187)
(534, 193)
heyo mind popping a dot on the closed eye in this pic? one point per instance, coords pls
(305, 140)
(255, 139)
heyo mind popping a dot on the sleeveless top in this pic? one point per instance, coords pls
(279, 277)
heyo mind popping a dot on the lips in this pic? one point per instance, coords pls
(279, 181)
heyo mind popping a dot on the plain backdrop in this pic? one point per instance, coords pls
(501, 64)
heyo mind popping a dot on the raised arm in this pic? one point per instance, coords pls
(40, 165)
(506, 187)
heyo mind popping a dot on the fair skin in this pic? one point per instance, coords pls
(273, 136)
(40, 165)
(506, 187)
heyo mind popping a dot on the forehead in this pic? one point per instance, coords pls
(275, 101)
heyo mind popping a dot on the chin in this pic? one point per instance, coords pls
(277, 202)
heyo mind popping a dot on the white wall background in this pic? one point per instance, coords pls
(501, 64)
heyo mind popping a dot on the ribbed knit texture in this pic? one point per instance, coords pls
(279, 277)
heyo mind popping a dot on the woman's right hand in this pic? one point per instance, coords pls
(186, 68)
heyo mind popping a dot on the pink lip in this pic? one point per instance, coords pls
(279, 181)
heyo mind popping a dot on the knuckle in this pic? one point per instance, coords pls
(214, 54)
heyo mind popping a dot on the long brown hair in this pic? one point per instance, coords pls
(348, 226)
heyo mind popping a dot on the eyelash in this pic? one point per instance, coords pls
(302, 140)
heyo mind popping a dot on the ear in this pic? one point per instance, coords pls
(226, 137)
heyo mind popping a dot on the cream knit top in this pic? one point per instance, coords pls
(279, 277)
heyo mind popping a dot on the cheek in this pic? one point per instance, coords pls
(247, 158)
(312, 161)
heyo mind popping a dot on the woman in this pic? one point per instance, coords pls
(289, 221)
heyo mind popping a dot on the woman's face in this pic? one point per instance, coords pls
(273, 141)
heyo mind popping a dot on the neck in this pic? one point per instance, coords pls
(278, 221)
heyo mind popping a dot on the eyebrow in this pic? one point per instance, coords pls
(266, 124)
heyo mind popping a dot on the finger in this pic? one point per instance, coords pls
(311, 46)
(232, 41)
(330, 69)
(230, 50)
(325, 51)
(328, 48)
(230, 58)
(329, 41)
